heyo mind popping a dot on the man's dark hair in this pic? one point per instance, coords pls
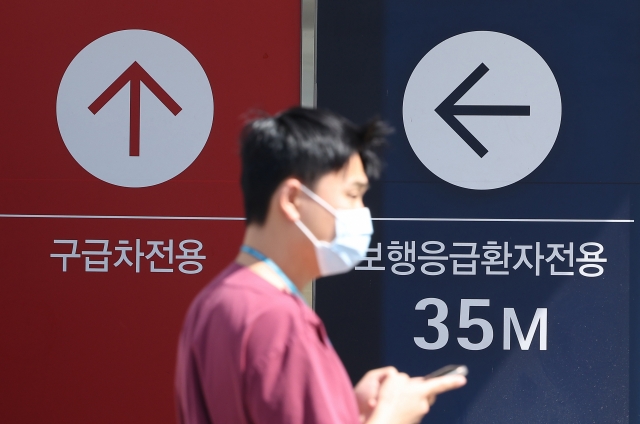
(305, 144)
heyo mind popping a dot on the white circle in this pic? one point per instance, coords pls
(516, 76)
(168, 143)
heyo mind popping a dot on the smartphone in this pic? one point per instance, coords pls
(449, 370)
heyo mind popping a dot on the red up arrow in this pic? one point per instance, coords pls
(134, 75)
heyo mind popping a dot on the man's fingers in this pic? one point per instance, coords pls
(382, 373)
(431, 399)
(437, 385)
(385, 371)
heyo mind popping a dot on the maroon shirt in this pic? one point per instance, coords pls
(250, 353)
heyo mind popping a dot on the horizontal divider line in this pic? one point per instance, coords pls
(505, 220)
(234, 218)
(174, 218)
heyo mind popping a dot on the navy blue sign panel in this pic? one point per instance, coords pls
(507, 216)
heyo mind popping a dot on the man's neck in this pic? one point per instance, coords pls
(279, 249)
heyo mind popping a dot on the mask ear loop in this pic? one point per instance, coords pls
(307, 232)
(322, 203)
(319, 200)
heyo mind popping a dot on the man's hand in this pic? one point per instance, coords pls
(368, 388)
(401, 399)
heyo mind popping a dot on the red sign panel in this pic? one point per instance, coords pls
(119, 184)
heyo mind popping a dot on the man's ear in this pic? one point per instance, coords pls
(288, 199)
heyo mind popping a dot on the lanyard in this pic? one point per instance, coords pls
(259, 256)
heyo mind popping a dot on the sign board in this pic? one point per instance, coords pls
(506, 216)
(120, 189)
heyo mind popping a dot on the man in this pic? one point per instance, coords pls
(251, 350)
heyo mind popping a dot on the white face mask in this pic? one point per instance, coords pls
(349, 247)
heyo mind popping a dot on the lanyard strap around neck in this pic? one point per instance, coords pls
(261, 257)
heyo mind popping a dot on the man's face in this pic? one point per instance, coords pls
(342, 189)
